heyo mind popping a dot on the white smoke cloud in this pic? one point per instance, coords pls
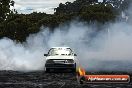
(104, 50)
(17, 57)
(109, 49)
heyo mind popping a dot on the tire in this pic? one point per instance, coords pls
(73, 70)
(47, 70)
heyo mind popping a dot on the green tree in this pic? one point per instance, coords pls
(98, 12)
(5, 9)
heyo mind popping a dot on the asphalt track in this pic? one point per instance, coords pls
(40, 79)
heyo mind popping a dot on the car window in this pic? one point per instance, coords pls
(60, 51)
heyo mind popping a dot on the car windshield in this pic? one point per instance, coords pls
(60, 51)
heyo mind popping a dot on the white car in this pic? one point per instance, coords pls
(60, 58)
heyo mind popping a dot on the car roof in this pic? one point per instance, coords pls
(60, 47)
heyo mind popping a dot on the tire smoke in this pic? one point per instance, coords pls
(109, 49)
(106, 48)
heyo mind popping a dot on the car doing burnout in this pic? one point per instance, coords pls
(60, 58)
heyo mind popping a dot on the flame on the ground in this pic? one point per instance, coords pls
(81, 71)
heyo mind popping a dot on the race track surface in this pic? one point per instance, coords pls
(40, 79)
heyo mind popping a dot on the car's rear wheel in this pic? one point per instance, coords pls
(74, 69)
(47, 70)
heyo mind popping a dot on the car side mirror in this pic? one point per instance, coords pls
(75, 54)
(45, 54)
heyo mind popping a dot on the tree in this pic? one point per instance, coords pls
(18, 26)
(5, 9)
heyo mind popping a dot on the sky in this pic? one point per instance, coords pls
(29, 6)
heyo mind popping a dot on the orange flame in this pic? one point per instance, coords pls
(81, 71)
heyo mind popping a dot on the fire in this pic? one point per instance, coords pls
(81, 71)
